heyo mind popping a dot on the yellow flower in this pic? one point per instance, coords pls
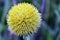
(23, 19)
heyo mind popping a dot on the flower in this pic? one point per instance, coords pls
(23, 19)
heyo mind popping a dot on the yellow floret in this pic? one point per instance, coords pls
(23, 19)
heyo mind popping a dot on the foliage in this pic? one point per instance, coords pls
(50, 25)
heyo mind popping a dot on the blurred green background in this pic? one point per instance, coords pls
(50, 24)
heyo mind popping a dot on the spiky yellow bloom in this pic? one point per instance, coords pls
(23, 19)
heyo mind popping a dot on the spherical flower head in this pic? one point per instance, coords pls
(23, 19)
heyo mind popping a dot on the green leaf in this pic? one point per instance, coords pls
(49, 36)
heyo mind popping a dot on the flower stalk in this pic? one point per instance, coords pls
(43, 7)
(14, 2)
(37, 35)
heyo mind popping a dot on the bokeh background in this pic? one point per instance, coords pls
(50, 24)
